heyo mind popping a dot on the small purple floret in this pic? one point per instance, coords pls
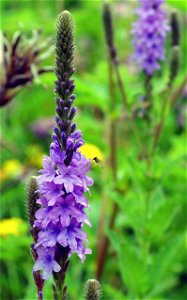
(46, 262)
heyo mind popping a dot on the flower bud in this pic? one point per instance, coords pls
(92, 290)
(31, 205)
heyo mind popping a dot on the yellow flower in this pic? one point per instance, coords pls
(35, 156)
(92, 152)
(10, 169)
(13, 226)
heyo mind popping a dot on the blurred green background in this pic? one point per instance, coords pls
(147, 256)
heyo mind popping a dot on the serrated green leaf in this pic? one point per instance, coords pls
(132, 268)
(157, 199)
(161, 219)
(163, 261)
(114, 239)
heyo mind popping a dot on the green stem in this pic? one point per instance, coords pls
(59, 288)
(148, 93)
(104, 242)
(160, 125)
(120, 85)
(126, 105)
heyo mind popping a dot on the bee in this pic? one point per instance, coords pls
(98, 161)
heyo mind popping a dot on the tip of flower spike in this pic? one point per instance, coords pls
(92, 290)
(64, 46)
(65, 17)
(64, 13)
(107, 21)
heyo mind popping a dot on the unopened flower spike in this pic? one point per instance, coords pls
(31, 208)
(109, 35)
(175, 47)
(92, 290)
(63, 180)
(175, 30)
(112, 50)
(31, 205)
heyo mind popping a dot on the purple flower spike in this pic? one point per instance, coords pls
(63, 181)
(149, 35)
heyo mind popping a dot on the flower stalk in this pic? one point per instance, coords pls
(148, 94)
(63, 180)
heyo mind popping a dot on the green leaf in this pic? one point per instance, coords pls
(161, 219)
(157, 199)
(111, 293)
(114, 239)
(163, 266)
(179, 4)
(132, 268)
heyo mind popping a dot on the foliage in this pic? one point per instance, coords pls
(146, 258)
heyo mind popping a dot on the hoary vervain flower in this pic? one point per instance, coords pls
(149, 35)
(63, 180)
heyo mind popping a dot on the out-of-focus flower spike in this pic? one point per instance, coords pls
(107, 20)
(175, 30)
(174, 63)
(92, 290)
(175, 48)
(109, 33)
(149, 35)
